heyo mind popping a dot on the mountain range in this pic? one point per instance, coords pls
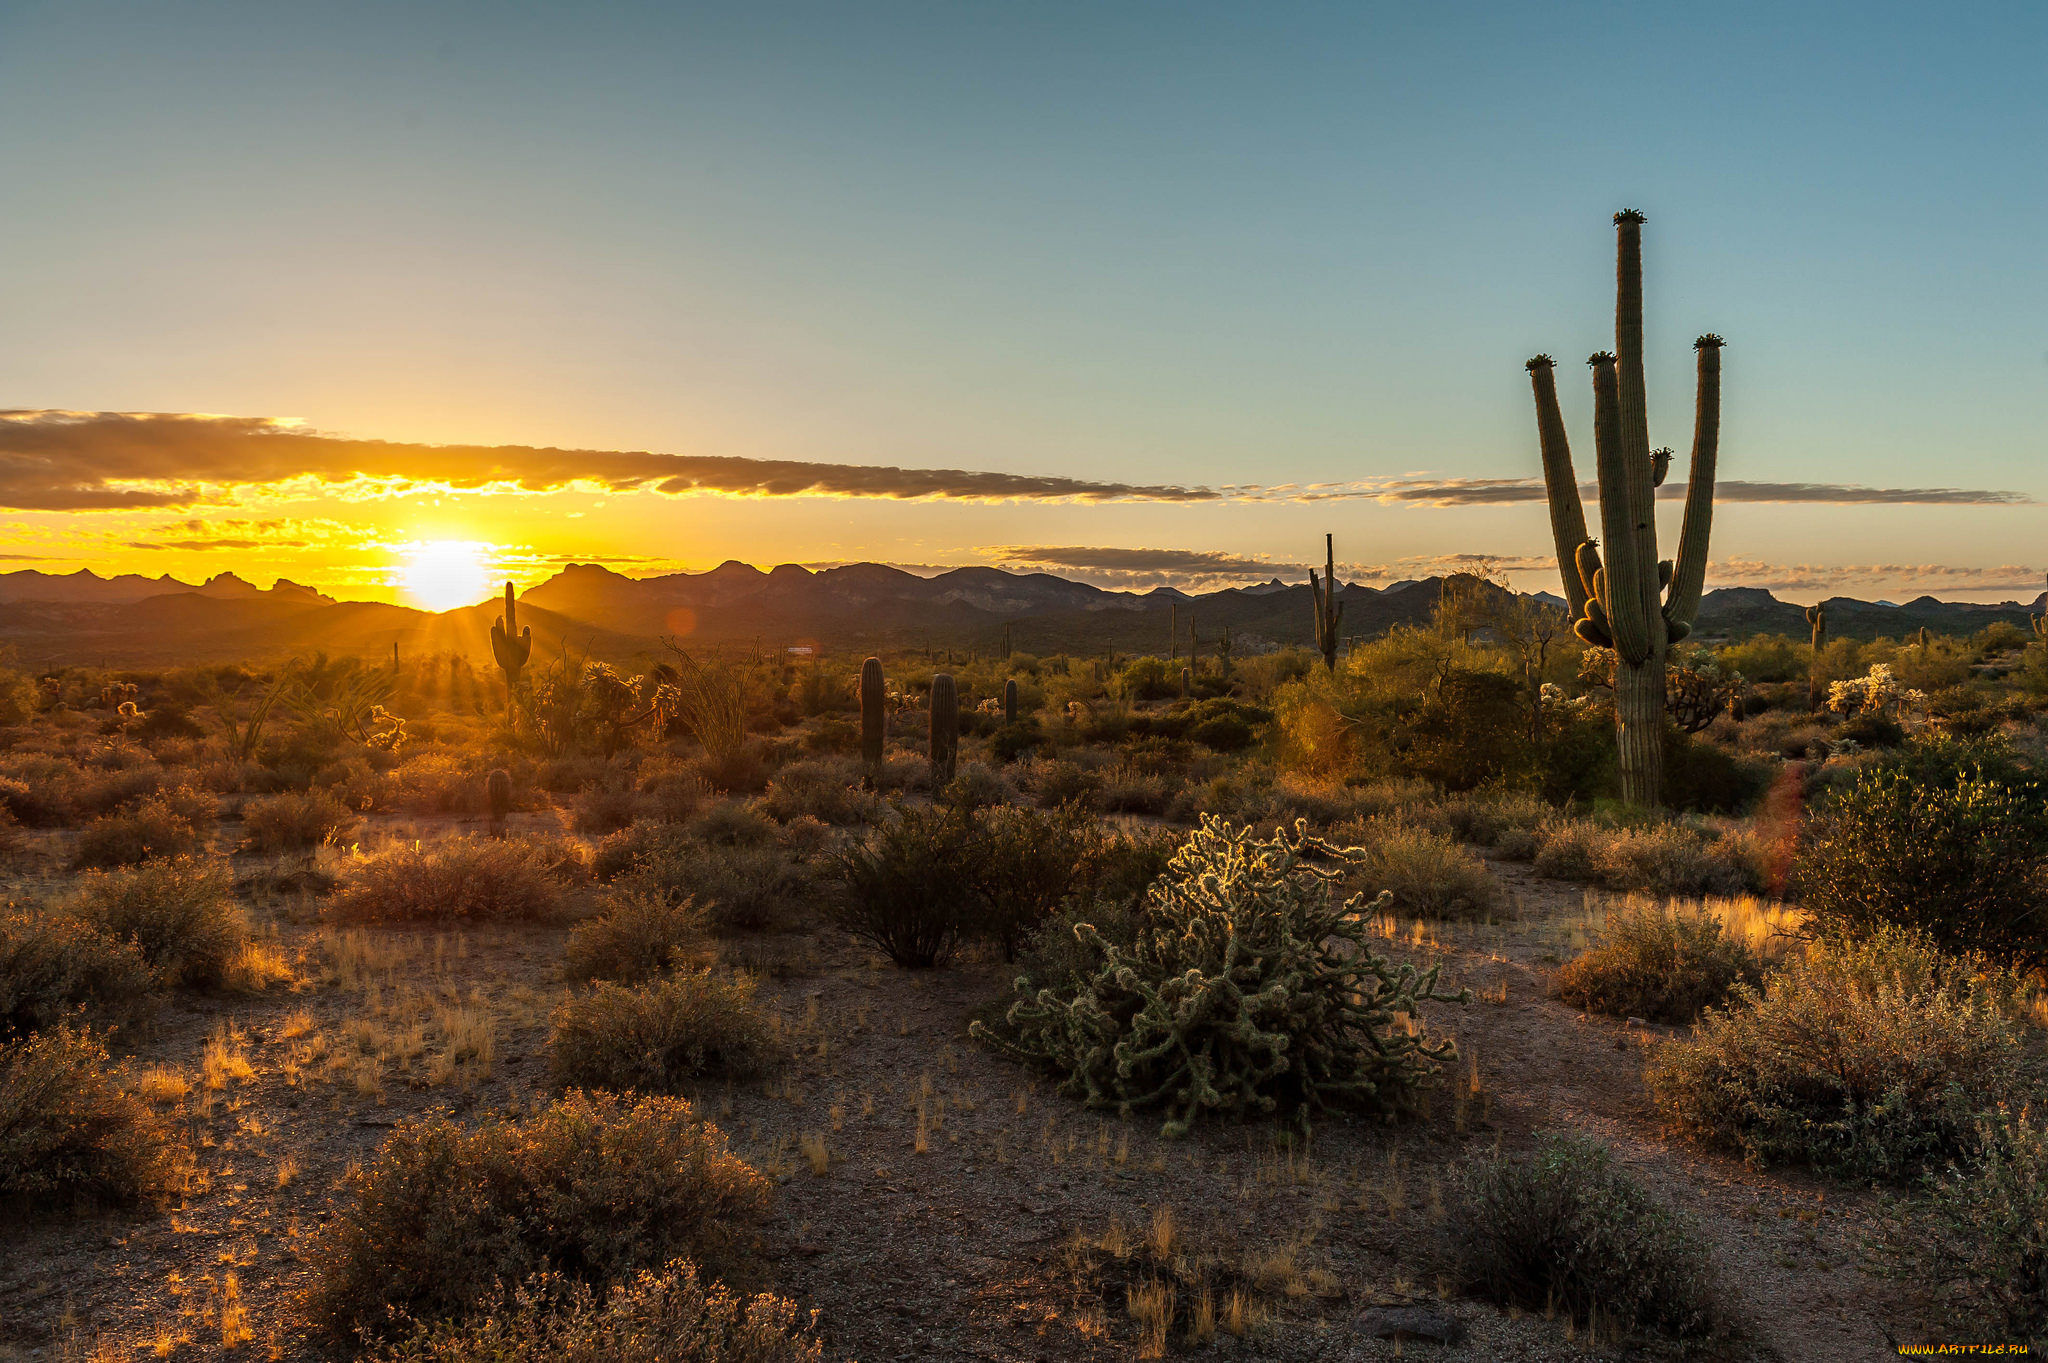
(51, 619)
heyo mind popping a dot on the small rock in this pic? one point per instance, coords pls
(1410, 1322)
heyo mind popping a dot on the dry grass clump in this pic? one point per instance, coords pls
(1664, 859)
(68, 1134)
(54, 967)
(1178, 1288)
(1430, 874)
(294, 820)
(638, 934)
(602, 809)
(660, 1036)
(1663, 963)
(1567, 1229)
(480, 879)
(1867, 1060)
(448, 1218)
(665, 1316)
(827, 790)
(745, 884)
(179, 913)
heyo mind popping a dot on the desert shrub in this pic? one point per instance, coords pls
(827, 791)
(149, 828)
(478, 879)
(674, 796)
(1128, 788)
(908, 887)
(292, 821)
(638, 934)
(1661, 859)
(1567, 1229)
(1488, 819)
(1663, 965)
(1245, 989)
(977, 786)
(1472, 728)
(602, 809)
(447, 1217)
(1979, 1232)
(1427, 872)
(1703, 776)
(1023, 862)
(730, 823)
(657, 1037)
(1061, 782)
(665, 1316)
(629, 847)
(180, 914)
(1961, 856)
(54, 967)
(68, 1134)
(743, 888)
(1864, 1059)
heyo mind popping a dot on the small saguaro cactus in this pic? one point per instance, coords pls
(1926, 641)
(510, 644)
(871, 712)
(1329, 610)
(1010, 701)
(1187, 682)
(1172, 630)
(498, 798)
(1633, 603)
(945, 728)
(1817, 616)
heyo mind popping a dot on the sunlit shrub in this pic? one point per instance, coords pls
(662, 1035)
(68, 1134)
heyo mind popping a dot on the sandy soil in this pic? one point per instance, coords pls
(958, 1250)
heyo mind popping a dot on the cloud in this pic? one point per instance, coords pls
(84, 461)
(1208, 570)
(1133, 560)
(1893, 578)
(1500, 491)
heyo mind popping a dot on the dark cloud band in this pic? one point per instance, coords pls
(1501, 491)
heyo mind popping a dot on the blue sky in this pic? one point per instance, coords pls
(1186, 244)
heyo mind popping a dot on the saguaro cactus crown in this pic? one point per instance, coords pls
(1329, 610)
(1633, 603)
(510, 644)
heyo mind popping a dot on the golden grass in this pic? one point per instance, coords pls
(816, 1154)
(225, 1058)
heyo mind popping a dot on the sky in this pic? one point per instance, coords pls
(419, 296)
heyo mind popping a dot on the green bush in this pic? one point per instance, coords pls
(743, 887)
(1979, 1232)
(1702, 776)
(1658, 965)
(294, 820)
(69, 1135)
(669, 1316)
(1865, 1059)
(1472, 728)
(638, 934)
(448, 1218)
(659, 1036)
(54, 967)
(909, 887)
(1567, 1229)
(1244, 989)
(1960, 855)
(180, 914)
(472, 879)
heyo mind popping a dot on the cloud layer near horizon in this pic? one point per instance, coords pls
(100, 461)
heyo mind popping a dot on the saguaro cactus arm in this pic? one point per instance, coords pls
(1689, 572)
(1628, 584)
(1560, 482)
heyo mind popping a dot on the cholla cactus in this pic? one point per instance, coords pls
(1246, 989)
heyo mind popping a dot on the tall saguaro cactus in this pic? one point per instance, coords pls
(945, 728)
(1633, 603)
(511, 645)
(1817, 616)
(1010, 701)
(1329, 610)
(871, 713)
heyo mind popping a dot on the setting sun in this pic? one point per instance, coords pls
(444, 574)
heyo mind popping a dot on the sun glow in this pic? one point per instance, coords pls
(443, 574)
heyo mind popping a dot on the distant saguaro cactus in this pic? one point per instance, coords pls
(1817, 616)
(1329, 610)
(498, 797)
(1010, 701)
(945, 728)
(511, 645)
(1187, 682)
(1625, 605)
(871, 712)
